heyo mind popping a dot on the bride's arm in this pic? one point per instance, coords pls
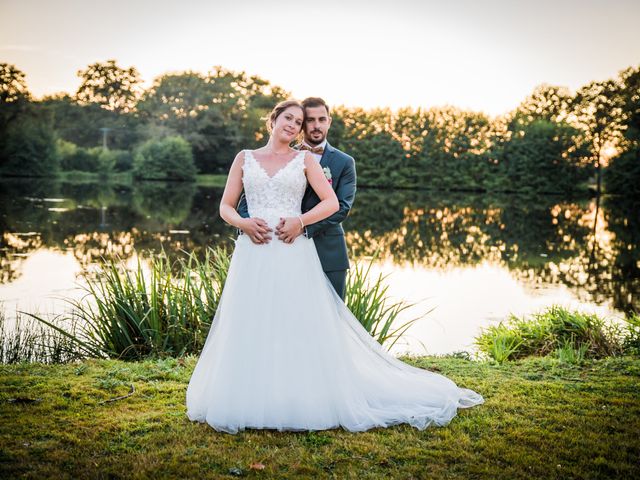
(328, 201)
(256, 228)
(290, 228)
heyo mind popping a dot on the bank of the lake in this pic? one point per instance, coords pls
(205, 180)
(542, 419)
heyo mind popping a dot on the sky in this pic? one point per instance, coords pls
(481, 55)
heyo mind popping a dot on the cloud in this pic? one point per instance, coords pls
(20, 48)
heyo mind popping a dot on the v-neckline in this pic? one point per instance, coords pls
(271, 177)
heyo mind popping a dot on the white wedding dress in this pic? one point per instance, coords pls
(285, 353)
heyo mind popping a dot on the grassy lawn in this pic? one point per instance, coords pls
(205, 180)
(211, 180)
(75, 176)
(542, 419)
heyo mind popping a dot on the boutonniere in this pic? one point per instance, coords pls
(327, 174)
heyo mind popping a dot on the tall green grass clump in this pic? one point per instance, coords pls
(167, 308)
(165, 311)
(631, 341)
(26, 340)
(367, 298)
(569, 335)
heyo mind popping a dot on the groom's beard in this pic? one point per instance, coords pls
(314, 143)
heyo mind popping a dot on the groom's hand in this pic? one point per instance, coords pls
(257, 229)
(289, 229)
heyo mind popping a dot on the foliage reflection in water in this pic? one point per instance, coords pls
(543, 244)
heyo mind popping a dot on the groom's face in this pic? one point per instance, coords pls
(316, 125)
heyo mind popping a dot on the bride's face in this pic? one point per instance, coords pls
(288, 124)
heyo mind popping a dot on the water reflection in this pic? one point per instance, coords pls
(541, 240)
(461, 300)
(543, 244)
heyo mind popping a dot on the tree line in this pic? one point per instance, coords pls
(186, 123)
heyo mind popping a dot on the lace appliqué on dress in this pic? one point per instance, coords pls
(272, 197)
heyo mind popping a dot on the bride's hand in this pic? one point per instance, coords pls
(257, 229)
(289, 229)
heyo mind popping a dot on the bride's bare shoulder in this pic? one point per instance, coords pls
(238, 161)
(310, 161)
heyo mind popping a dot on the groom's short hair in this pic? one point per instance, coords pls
(311, 102)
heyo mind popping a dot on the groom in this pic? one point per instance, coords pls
(340, 171)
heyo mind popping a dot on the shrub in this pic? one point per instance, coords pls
(551, 332)
(167, 159)
(95, 159)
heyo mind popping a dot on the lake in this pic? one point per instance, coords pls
(466, 260)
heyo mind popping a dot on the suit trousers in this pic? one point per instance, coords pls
(339, 280)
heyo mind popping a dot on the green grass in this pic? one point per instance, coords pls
(77, 176)
(571, 335)
(542, 419)
(367, 298)
(23, 339)
(130, 314)
(631, 342)
(211, 180)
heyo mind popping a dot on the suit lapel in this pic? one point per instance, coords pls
(327, 156)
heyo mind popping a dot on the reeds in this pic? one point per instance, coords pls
(568, 335)
(135, 314)
(166, 309)
(631, 342)
(29, 341)
(367, 298)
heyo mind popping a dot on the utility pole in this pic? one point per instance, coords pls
(104, 131)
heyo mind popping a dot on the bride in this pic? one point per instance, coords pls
(284, 352)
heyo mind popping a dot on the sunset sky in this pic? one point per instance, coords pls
(479, 55)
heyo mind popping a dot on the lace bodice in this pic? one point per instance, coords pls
(272, 197)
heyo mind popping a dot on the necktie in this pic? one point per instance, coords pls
(316, 150)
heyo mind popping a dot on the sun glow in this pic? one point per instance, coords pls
(473, 55)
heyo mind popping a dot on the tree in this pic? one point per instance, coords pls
(28, 147)
(108, 85)
(454, 146)
(13, 86)
(217, 113)
(623, 172)
(185, 104)
(535, 148)
(14, 96)
(82, 124)
(543, 157)
(27, 139)
(546, 102)
(597, 110)
(168, 159)
(368, 137)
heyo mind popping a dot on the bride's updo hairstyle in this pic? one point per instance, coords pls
(278, 109)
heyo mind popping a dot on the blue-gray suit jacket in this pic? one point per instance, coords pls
(328, 234)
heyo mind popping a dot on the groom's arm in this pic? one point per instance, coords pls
(242, 209)
(346, 192)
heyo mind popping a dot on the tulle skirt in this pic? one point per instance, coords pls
(285, 353)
